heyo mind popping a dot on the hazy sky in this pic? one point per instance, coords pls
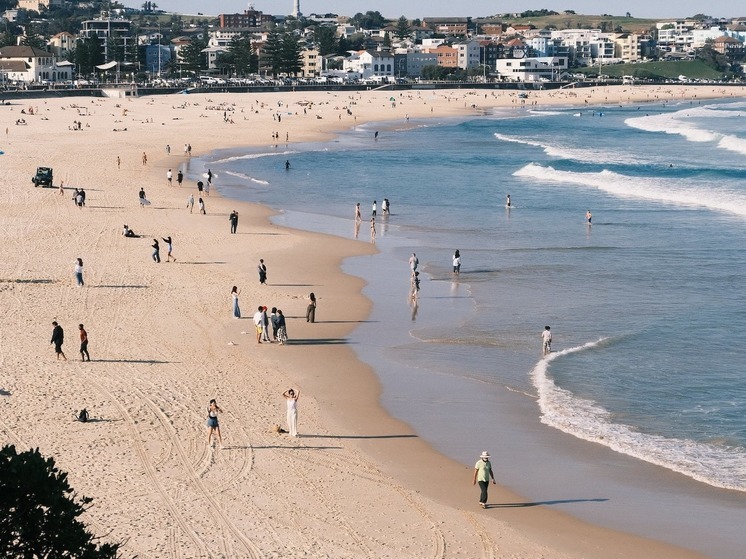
(422, 8)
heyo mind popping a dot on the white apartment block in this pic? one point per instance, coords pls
(547, 68)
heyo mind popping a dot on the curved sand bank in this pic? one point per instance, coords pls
(357, 483)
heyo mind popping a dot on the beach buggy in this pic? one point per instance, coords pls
(43, 176)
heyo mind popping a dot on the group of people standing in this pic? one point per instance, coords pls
(58, 338)
(275, 320)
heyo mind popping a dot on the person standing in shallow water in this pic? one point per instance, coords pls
(482, 474)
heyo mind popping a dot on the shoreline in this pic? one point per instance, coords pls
(290, 255)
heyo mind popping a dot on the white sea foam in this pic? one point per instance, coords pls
(586, 155)
(246, 177)
(718, 466)
(670, 123)
(251, 156)
(662, 190)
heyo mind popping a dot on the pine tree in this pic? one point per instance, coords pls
(39, 511)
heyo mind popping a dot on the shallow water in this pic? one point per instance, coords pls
(642, 303)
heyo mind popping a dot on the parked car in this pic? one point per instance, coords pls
(43, 176)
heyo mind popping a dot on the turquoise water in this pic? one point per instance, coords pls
(646, 304)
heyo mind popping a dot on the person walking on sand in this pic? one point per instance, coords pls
(282, 331)
(79, 272)
(262, 269)
(291, 399)
(457, 262)
(190, 202)
(83, 343)
(144, 158)
(156, 251)
(372, 229)
(179, 178)
(358, 215)
(170, 245)
(141, 197)
(169, 177)
(58, 338)
(212, 422)
(482, 474)
(168, 149)
(311, 308)
(201, 204)
(234, 221)
(234, 294)
(259, 324)
(588, 217)
(546, 340)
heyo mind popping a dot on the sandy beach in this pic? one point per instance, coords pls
(163, 342)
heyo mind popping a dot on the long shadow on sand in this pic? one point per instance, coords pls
(407, 436)
(318, 341)
(183, 262)
(285, 447)
(147, 361)
(544, 503)
(26, 281)
(123, 286)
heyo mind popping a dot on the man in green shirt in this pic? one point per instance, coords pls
(482, 474)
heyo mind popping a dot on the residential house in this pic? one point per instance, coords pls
(311, 63)
(367, 63)
(37, 5)
(730, 47)
(468, 54)
(447, 55)
(531, 69)
(454, 26)
(627, 47)
(62, 43)
(250, 18)
(109, 31)
(411, 64)
(29, 65)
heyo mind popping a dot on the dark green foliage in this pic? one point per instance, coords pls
(192, 57)
(326, 40)
(291, 60)
(88, 54)
(402, 29)
(39, 511)
(369, 20)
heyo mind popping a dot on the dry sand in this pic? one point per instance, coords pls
(357, 483)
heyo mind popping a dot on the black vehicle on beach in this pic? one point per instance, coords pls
(43, 176)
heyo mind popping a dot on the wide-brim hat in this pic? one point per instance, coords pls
(484, 454)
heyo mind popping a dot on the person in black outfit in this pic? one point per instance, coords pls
(234, 221)
(156, 251)
(58, 338)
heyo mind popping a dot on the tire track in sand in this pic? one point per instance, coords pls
(226, 522)
(152, 477)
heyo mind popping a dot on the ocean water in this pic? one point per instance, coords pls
(644, 392)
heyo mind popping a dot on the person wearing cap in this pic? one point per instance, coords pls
(482, 474)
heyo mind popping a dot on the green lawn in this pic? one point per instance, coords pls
(692, 69)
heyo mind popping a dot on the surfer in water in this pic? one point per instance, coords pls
(507, 202)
